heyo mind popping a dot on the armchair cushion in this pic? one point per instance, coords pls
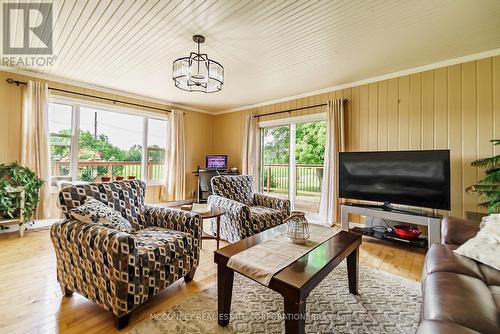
(94, 211)
(158, 246)
(238, 188)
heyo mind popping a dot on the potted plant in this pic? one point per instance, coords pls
(105, 178)
(489, 186)
(13, 175)
(131, 177)
(119, 178)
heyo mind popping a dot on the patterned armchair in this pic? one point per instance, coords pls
(247, 213)
(120, 270)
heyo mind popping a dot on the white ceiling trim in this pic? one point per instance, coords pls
(423, 68)
(99, 88)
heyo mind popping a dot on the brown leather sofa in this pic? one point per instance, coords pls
(459, 295)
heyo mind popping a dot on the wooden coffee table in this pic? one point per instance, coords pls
(296, 281)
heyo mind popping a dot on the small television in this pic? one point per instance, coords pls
(216, 161)
(416, 178)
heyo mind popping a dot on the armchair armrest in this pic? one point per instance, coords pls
(272, 202)
(457, 231)
(72, 235)
(237, 213)
(88, 253)
(174, 219)
(231, 206)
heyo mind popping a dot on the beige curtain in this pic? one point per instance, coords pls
(176, 161)
(251, 149)
(35, 139)
(330, 205)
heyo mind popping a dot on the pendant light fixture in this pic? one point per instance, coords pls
(198, 73)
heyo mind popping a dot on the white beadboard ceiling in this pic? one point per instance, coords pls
(269, 49)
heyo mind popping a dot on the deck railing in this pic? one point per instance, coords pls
(308, 178)
(98, 169)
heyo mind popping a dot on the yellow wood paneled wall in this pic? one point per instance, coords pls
(199, 128)
(455, 107)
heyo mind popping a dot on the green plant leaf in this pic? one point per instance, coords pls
(15, 175)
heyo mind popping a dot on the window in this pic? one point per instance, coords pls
(111, 145)
(60, 138)
(157, 148)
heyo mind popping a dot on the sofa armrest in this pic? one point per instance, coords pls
(174, 219)
(456, 231)
(280, 204)
(443, 327)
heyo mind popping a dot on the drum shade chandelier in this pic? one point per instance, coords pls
(198, 73)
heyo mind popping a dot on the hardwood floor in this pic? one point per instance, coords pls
(31, 300)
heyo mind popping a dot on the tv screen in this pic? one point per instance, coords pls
(217, 161)
(417, 178)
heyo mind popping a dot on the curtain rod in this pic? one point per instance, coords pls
(290, 110)
(17, 83)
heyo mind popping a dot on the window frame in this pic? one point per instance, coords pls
(76, 104)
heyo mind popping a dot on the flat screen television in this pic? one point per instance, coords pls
(216, 161)
(416, 178)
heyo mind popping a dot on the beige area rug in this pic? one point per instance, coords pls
(386, 304)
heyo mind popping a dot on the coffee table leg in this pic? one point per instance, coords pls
(218, 231)
(295, 316)
(225, 277)
(352, 271)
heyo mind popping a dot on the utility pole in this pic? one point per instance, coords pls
(95, 125)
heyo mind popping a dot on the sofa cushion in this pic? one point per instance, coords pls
(158, 246)
(491, 275)
(441, 258)
(94, 211)
(461, 299)
(264, 218)
(485, 246)
(443, 327)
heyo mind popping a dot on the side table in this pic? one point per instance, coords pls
(214, 212)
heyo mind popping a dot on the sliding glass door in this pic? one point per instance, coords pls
(309, 155)
(275, 152)
(292, 161)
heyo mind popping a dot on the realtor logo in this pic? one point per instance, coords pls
(27, 28)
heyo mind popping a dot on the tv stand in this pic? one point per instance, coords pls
(388, 207)
(433, 222)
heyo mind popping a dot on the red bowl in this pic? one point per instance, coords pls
(407, 231)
